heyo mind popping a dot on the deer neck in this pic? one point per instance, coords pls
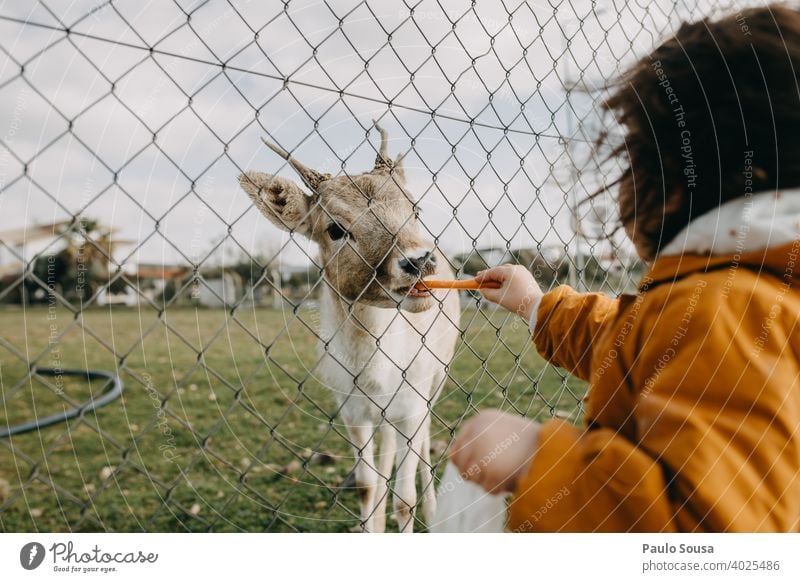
(351, 321)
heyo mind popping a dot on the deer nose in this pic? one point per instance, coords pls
(416, 266)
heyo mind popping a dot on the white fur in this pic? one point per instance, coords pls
(368, 381)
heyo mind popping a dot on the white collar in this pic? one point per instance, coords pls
(746, 224)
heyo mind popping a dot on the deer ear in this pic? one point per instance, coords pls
(399, 168)
(282, 201)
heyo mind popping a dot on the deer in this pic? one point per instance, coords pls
(384, 346)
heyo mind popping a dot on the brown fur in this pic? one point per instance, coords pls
(374, 208)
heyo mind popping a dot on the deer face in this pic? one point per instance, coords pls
(367, 228)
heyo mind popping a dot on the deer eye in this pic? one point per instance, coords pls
(335, 231)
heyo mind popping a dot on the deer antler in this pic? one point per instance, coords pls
(310, 177)
(382, 161)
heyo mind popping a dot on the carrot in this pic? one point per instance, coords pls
(456, 284)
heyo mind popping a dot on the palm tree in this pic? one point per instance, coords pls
(80, 268)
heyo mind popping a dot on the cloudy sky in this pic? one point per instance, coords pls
(141, 114)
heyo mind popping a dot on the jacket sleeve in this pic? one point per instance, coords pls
(715, 419)
(593, 480)
(567, 324)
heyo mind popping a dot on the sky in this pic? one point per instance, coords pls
(142, 114)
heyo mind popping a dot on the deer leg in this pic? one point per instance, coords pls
(361, 437)
(426, 475)
(426, 468)
(409, 449)
(385, 464)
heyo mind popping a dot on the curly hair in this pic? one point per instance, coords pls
(710, 115)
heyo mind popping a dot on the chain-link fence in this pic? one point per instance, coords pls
(128, 246)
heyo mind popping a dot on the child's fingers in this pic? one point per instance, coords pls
(493, 295)
(457, 450)
(499, 275)
(456, 458)
(461, 452)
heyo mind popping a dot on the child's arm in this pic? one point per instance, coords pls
(568, 326)
(715, 445)
(566, 323)
(590, 480)
(563, 478)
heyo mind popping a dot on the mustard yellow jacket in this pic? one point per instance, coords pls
(693, 411)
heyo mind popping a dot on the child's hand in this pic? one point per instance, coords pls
(519, 292)
(494, 449)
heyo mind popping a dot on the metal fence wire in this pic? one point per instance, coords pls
(127, 245)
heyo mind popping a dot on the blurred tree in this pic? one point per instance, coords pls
(79, 269)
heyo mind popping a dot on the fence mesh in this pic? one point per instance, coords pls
(128, 246)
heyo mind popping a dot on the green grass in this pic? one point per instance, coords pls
(215, 410)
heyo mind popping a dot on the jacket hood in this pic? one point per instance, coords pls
(740, 226)
(760, 232)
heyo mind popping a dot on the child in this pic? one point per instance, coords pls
(693, 411)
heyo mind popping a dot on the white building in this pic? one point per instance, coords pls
(20, 245)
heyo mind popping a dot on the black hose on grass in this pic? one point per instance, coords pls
(92, 404)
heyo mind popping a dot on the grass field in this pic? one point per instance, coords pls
(218, 418)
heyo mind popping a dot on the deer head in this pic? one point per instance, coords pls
(366, 227)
